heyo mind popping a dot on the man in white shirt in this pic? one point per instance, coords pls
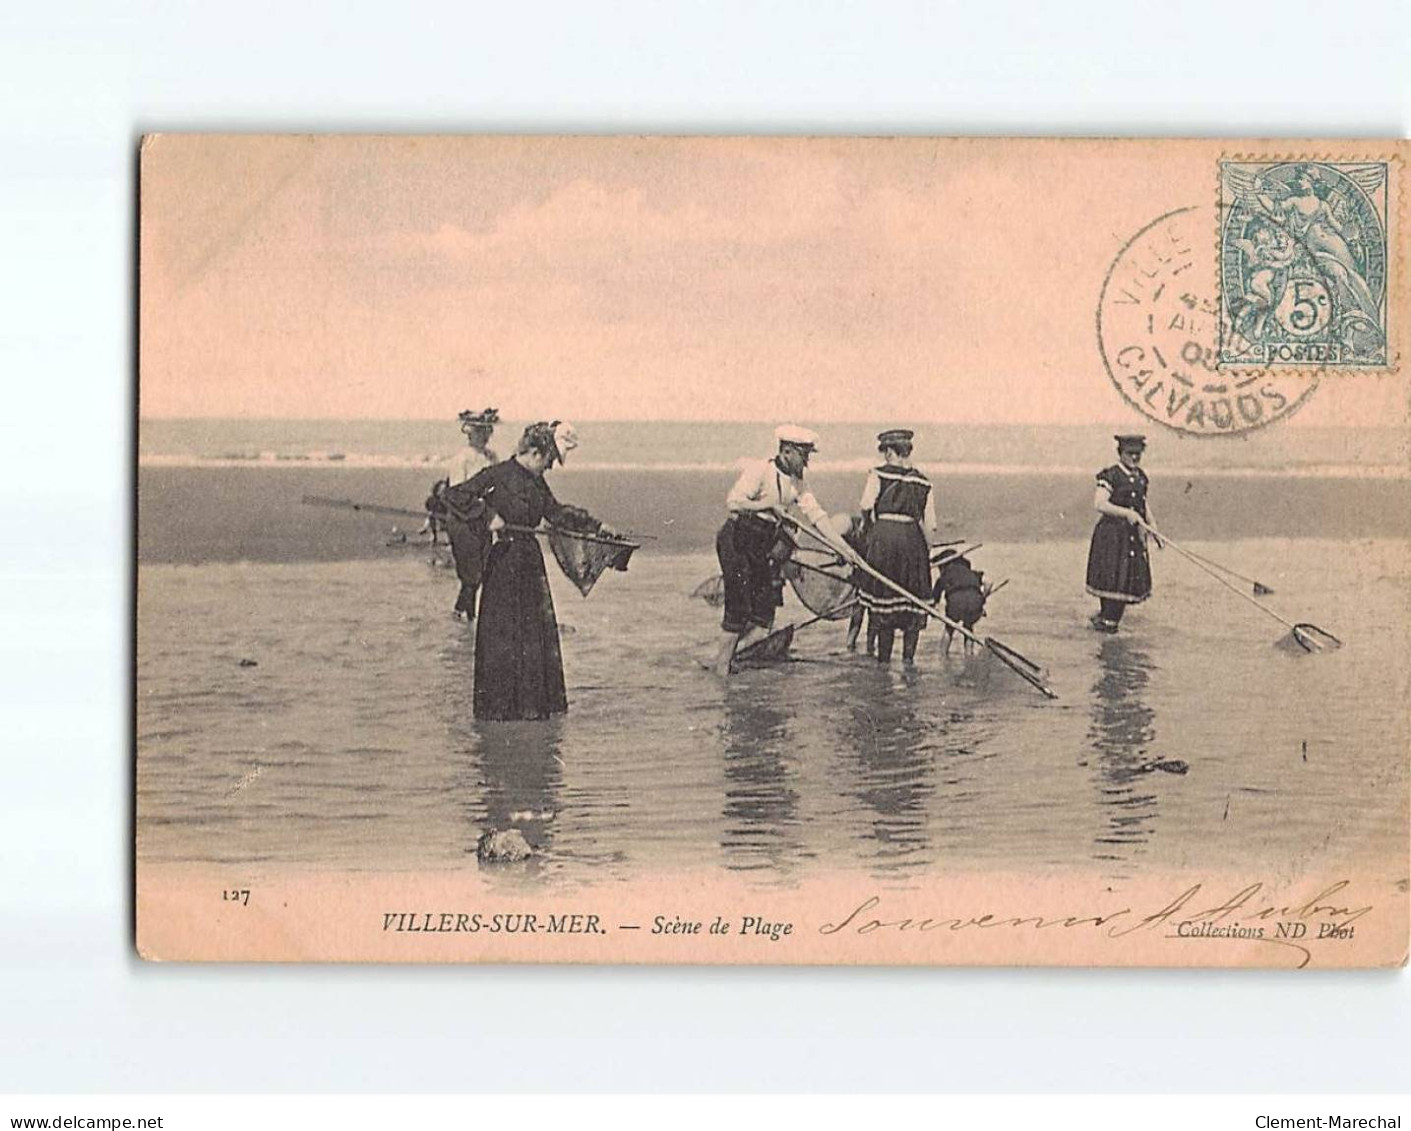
(747, 544)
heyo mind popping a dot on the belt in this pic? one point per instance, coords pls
(896, 517)
(749, 518)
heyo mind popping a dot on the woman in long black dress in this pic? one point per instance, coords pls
(518, 663)
(1119, 569)
(897, 500)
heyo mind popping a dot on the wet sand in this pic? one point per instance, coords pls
(201, 514)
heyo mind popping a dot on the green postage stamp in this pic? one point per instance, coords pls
(1303, 263)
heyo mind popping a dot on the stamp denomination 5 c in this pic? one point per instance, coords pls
(1303, 264)
(1157, 325)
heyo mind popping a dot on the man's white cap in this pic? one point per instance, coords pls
(793, 434)
(565, 438)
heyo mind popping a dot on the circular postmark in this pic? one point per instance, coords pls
(1158, 329)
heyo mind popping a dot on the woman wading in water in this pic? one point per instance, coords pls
(898, 500)
(518, 663)
(1119, 569)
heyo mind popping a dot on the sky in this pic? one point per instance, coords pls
(649, 278)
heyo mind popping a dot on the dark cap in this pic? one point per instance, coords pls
(1130, 440)
(488, 417)
(894, 436)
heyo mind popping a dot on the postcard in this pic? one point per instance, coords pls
(773, 550)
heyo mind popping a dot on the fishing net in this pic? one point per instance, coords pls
(1301, 637)
(584, 559)
(711, 591)
(773, 649)
(1311, 638)
(822, 582)
(819, 580)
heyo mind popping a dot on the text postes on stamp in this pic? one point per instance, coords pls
(1303, 264)
(1158, 325)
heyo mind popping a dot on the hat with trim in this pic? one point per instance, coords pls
(798, 437)
(565, 438)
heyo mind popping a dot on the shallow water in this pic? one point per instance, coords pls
(350, 745)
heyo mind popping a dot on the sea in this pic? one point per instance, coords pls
(303, 692)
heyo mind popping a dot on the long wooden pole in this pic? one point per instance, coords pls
(1259, 586)
(988, 643)
(860, 563)
(370, 508)
(1205, 567)
(403, 512)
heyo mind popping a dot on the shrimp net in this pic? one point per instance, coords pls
(584, 559)
(821, 581)
(772, 649)
(1311, 638)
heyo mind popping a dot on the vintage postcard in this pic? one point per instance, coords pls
(773, 550)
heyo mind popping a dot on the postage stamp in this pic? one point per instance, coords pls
(1303, 264)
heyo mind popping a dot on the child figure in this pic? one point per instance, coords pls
(965, 592)
(435, 510)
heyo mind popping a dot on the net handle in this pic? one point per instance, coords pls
(820, 569)
(829, 615)
(1254, 582)
(861, 563)
(1029, 676)
(1310, 637)
(1205, 568)
(365, 508)
(546, 531)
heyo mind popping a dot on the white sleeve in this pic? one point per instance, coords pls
(870, 490)
(929, 518)
(809, 505)
(748, 492)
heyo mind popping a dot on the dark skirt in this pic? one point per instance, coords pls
(897, 550)
(752, 592)
(1118, 566)
(518, 662)
(469, 546)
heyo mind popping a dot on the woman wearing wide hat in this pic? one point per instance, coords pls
(898, 500)
(1119, 569)
(477, 428)
(518, 662)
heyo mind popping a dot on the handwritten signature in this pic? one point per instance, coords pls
(1188, 907)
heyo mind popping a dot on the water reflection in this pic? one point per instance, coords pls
(1120, 734)
(512, 778)
(761, 801)
(509, 775)
(888, 766)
